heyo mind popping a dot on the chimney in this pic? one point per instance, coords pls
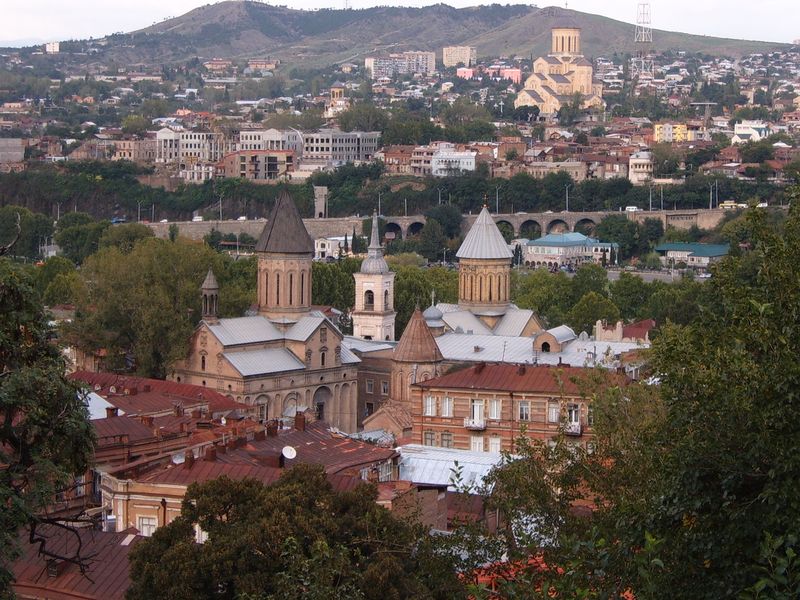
(189, 462)
(111, 411)
(272, 429)
(148, 420)
(178, 410)
(183, 428)
(521, 370)
(232, 443)
(221, 448)
(299, 421)
(271, 460)
(260, 435)
(132, 391)
(211, 454)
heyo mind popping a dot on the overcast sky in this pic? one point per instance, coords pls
(41, 20)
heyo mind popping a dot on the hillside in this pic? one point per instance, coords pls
(237, 29)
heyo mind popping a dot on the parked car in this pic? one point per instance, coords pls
(197, 219)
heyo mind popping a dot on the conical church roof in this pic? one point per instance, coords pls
(417, 343)
(210, 282)
(484, 240)
(285, 232)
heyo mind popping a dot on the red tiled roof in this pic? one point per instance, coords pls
(107, 577)
(638, 330)
(150, 396)
(514, 378)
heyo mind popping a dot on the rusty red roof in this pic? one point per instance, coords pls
(107, 577)
(119, 426)
(143, 396)
(639, 330)
(545, 379)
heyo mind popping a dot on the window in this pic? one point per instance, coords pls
(494, 408)
(494, 444)
(447, 406)
(384, 388)
(430, 406)
(574, 413)
(447, 439)
(525, 411)
(554, 413)
(322, 359)
(545, 347)
(323, 334)
(590, 416)
(476, 409)
(146, 526)
(476, 443)
(202, 363)
(429, 438)
(385, 471)
(370, 408)
(370, 386)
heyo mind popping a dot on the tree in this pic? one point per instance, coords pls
(275, 542)
(449, 217)
(145, 304)
(591, 308)
(630, 293)
(363, 117)
(34, 230)
(589, 278)
(124, 236)
(77, 242)
(135, 125)
(432, 240)
(623, 231)
(45, 436)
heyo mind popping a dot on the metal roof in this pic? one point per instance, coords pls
(562, 333)
(436, 466)
(285, 232)
(263, 362)
(361, 345)
(347, 356)
(513, 322)
(244, 330)
(210, 282)
(484, 240)
(562, 240)
(466, 322)
(305, 326)
(695, 249)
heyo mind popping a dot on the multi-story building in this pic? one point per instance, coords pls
(138, 151)
(335, 147)
(485, 407)
(420, 62)
(271, 139)
(670, 132)
(539, 170)
(571, 249)
(197, 146)
(441, 159)
(640, 167)
(258, 166)
(453, 56)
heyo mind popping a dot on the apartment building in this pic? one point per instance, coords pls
(401, 63)
(483, 408)
(670, 133)
(441, 159)
(539, 170)
(138, 151)
(271, 139)
(640, 168)
(452, 56)
(258, 166)
(188, 147)
(335, 147)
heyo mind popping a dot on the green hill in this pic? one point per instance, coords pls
(236, 29)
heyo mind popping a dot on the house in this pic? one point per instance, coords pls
(695, 255)
(483, 408)
(568, 249)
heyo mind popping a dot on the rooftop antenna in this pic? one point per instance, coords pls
(643, 66)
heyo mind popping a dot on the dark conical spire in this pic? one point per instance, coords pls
(285, 232)
(417, 343)
(209, 292)
(210, 282)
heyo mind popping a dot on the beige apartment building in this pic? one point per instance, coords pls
(453, 56)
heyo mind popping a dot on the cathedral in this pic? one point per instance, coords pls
(561, 74)
(288, 358)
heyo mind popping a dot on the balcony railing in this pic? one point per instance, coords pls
(474, 424)
(572, 428)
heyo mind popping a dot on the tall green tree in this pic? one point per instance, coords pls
(46, 439)
(591, 308)
(297, 538)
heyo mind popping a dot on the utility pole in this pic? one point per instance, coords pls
(710, 196)
(405, 204)
(440, 195)
(651, 198)
(138, 211)
(497, 199)
(566, 192)
(662, 197)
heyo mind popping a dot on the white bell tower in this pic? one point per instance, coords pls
(373, 317)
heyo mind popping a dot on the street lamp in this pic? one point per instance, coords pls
(497, 199)
(138, 211)
(566, 192)
(440, 195)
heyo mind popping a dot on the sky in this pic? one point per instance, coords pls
(36, 21)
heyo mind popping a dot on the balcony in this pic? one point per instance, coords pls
(474, 424)
(572, 428)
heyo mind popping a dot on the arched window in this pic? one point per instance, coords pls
(386, 300)
(205, 304)
(499, 284)
(302, 287)
(266, 288)
(369, 300)
(322, 359)
(202, 363)
(545, 346)
(490, 288)
(278, 289)
(480, 288)
(291, 289)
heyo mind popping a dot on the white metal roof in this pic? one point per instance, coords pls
(362, 345)
(245, 330)
(484, 240)
(562, 333)
(263, 362)
(348, 358)
(513, 322)
(436, 466)
(304, 327)
(466, 321)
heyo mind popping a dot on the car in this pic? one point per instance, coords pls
(164, 221)
(197, 219)
(632, 209)
(118, 220)
(704, 276)
(242, 218)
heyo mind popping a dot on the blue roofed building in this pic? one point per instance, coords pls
(568, 249)
(694, 255)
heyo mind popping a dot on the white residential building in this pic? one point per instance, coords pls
(750, 131)
(334, 147)
(640, 167)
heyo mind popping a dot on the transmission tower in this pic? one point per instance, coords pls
(643, 65)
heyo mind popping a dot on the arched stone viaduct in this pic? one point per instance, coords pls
(522, 224)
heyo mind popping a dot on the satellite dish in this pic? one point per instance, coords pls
(288, 452)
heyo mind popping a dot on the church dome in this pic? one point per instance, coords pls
(374, 265)
(432, 314)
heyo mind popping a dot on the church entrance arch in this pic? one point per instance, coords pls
(322, 402)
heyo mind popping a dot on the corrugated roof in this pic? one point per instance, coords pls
(484, 240)
(417, 343)
(466, 322)
(264, 361)
(244, 330)
(305, 326)
(436, 466)
(347, 356)
(117, 426)
(105, 579)
(542, 379)
(562, 333)
(285, 232)
(695, 249)
(562, 239)
(361, 345)
(513, 322)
